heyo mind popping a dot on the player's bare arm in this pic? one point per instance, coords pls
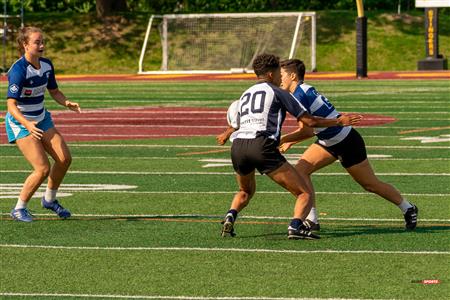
(343, 120)
(62, 100)
(224, 136)
(294, 137)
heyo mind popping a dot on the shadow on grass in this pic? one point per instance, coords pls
(349, 231)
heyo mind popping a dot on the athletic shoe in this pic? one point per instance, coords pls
(21, 214)
(228, 226)
(311, 225)
(56, 207)
(301, 233)
(411, 217)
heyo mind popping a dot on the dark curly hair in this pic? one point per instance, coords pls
(264, 63)
(294, 66)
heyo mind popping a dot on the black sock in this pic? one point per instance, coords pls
(296, 223)
(234, 213)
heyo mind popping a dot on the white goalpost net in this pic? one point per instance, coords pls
(226, 43)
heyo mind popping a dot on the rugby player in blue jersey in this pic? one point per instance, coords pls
(262, 110)
(29, 125)
(343, 143)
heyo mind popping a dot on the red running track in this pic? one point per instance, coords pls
(154, 122)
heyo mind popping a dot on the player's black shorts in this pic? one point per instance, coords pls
(350, 151)
(260, 153)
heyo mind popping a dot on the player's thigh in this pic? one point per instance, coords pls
(313, 159)
(55, 145)
(247, 183)
(288, 178)
(34, 152)
(363, 173)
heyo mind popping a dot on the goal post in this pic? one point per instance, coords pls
(226, 43)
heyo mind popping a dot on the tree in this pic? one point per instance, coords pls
(106, 7)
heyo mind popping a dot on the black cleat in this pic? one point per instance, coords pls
(311, 226)
(228, 226)
(411, 217)
(301, 233)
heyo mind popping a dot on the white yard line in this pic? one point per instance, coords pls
(244, 217)
(206, 249)
(219, 173)
(74, 145)
(69, 295)
(294, 156)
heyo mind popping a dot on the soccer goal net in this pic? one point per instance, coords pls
(226, 43)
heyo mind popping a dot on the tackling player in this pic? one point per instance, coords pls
(30, 125)
(262, 110)
(343, 143)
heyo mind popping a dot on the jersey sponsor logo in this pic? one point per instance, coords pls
(13, 88)
(34, 92)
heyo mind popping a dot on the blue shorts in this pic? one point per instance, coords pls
(15, 130)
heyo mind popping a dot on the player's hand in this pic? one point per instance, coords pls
(33, 130)
(74, 106)
(349, 119)
(284, 147)
(222, 138)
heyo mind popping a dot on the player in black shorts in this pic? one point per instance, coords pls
(342, 143)
(261, 112)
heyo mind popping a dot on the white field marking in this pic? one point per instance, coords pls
(259, 192)
(152, 118)
(428, 139)
(215, 147)
(77, 187)
(167, 216)
(199, 249)
(10, 190)
(293, 158)
(221, 147)
(117, 157)
(290, 156)
(65, 295)
(136, 125)
(13, 194)
(219, 173)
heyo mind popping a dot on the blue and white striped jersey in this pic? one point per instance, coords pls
(318, 105)
(27, 85)
(262, 110)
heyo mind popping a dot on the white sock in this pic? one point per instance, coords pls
(50, 195)
(20, 204)
(312, 216)
(404, 206)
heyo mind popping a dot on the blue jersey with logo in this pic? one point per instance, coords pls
(318, 105)
(27, 85)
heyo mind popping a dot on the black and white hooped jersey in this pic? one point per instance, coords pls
(318, 105)
(262, 110)
(27, 85)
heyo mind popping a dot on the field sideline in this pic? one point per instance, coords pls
(148, 187)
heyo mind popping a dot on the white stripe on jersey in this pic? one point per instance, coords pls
(337, 138)
(331, 115)
(318, 102)
(31, 107)
(35, 118)
(31, 71)
(28, 92)
(274, 136)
